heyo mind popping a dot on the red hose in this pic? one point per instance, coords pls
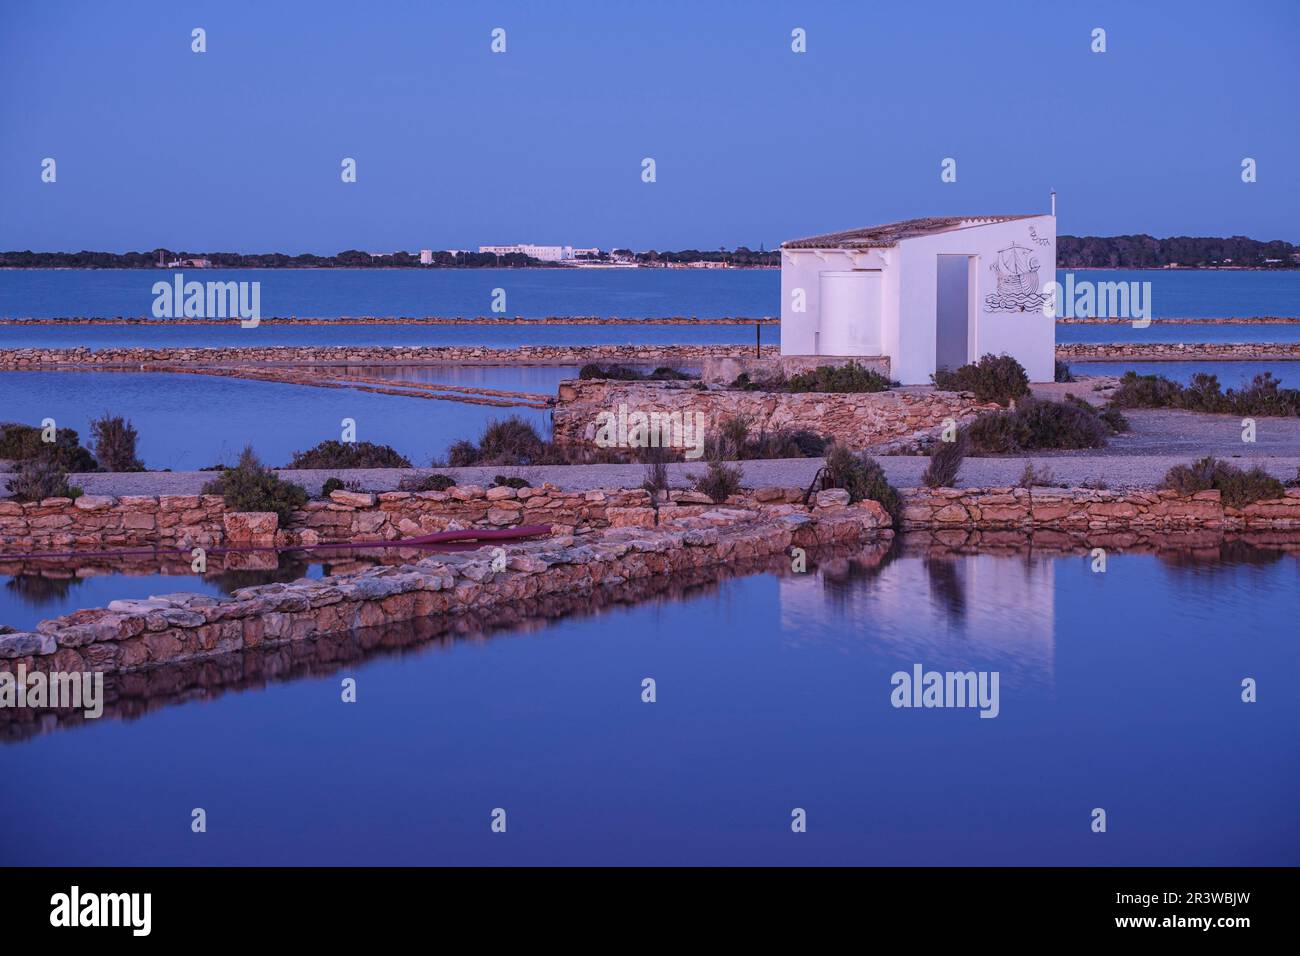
(518, 533)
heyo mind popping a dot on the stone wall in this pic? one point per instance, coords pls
(131, 634)
(1179, 352)
(899, 420)
(1075, 509)
(95, 522)
(98, 521)
(126, 357)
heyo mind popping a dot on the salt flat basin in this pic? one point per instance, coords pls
(1119, 690)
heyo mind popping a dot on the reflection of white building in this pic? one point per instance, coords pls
(924, 293)
(967, 612)
(545, 253)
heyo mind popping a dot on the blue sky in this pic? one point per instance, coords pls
(239, 148)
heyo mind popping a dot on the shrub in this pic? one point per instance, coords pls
(39, 478)
(997, 433)
(1038, 424)
(1263, 396)
(1063, 373)
(337, 454)
(624, 374)
(862, 477)
(656, 478)
(719, 481)
(503, 481)
(786, 443)
(251, 486)
(994, 378)
(1034, 475)
(945, 461)
(511, 441)
(462, 454)
(330, 485)
(426, 483)
(20, 442)
(114, 443)
(1237, 488)
(844, 378)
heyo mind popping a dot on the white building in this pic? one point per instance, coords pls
(924, 293)
(426, 257)
(545, 253)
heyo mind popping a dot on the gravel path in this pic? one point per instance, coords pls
(1113, 470)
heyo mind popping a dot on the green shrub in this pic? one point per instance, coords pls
(114, 439)
(1263, 396)
(945, 461)
(862, 477)
(1236, 487)
(462, 454)
(505, 481)
(1040, 424)
(331, 485)
(426, 483)
(40, 478)
(1147, 391)
(994, 378)
(337, 454)
(1063, 373)
(844, 378)
(719, 481)
(20, 442)
(656, 476)
(624, 374)
(251, 486)
(511, 441)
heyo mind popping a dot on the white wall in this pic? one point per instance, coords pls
(850, 304)
(802, 269)
(1028, 336)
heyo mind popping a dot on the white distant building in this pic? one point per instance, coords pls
(426, 257)
(924, 293)
(545, 253)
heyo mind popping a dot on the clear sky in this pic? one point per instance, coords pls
(239, 148)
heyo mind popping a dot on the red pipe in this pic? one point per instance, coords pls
(518, 533)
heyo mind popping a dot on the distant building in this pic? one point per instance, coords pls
(924, 293)
(190, 264)
(544, 253)
(426, 257)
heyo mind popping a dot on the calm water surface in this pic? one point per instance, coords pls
(187, 422)
(1119, 690)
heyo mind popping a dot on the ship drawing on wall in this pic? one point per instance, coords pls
(1016, 268)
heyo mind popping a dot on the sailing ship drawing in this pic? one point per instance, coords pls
(1016, 268)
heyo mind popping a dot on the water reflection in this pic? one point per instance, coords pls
(949, 600)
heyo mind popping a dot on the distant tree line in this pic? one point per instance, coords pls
(348, 259)
(1147, 252)
(356, 259)
(740, 257)
(1072, 252)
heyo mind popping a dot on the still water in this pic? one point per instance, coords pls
(1118, 690)
(188, 422)
(630, 293)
